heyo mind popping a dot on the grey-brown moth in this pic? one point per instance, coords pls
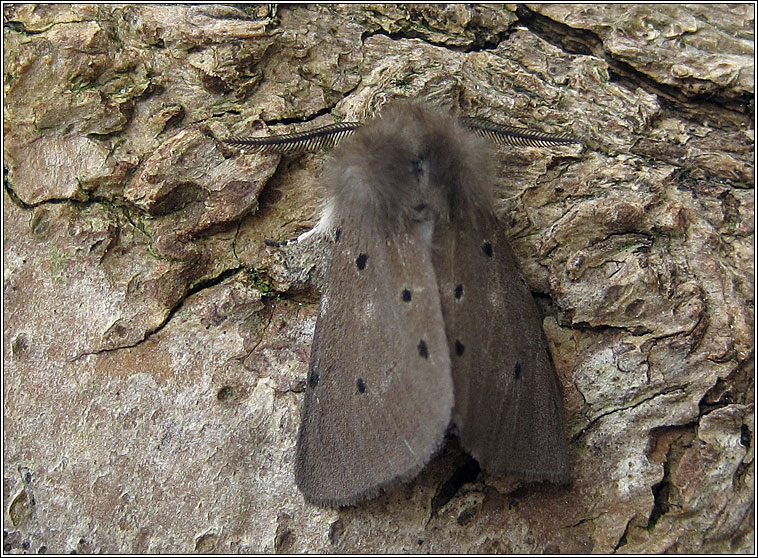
(425, 319)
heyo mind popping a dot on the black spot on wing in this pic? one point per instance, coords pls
(361, 385)
(406, 295)
(361, 261)
(487, 249)
(459, 348)
(337, 235)
(313, 379)
(458, 291)
(417, 167)
(517, 370)
(423, 351)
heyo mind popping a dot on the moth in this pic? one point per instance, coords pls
(425, 319)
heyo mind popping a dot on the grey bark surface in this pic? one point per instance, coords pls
(155, 350)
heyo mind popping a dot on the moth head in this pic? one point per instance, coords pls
(413, 163)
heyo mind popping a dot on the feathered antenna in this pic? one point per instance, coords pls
(511, 135)
(326, 137)
(299, 142)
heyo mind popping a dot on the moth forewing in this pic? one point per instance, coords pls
(508, 402)
(379, 394)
